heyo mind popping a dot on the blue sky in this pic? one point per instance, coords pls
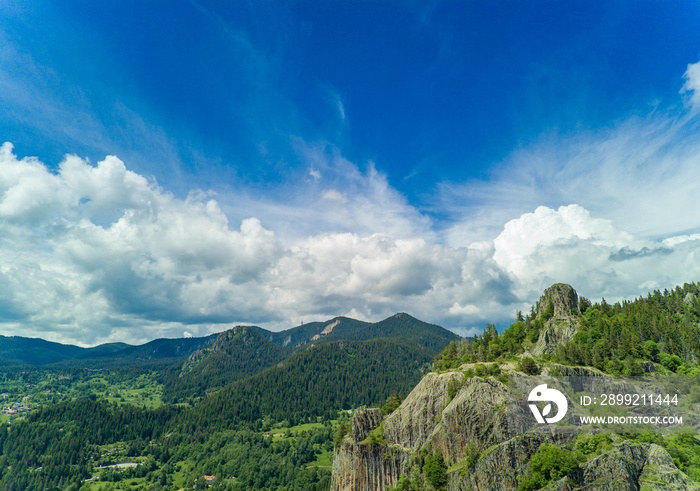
(176, 167)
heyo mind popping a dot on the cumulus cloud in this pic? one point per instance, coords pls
(568, 245)
(96, 253)
(375, 276)
(100, 253)
(91, 248)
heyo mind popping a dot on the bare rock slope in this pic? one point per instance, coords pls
(380, 449)
(559, 308)
(464, 419)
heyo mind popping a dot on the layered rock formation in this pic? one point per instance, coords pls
(464, 420)
(633, 466)
(559, 310)
(379, 450)
(362, 465)
(563, 299)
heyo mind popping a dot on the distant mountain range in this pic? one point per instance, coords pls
(35, 351)
(246, 351)
(399, 325)
(270, 347)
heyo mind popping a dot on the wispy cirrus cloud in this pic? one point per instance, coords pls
(691, 87)
(332, 195)
(103, 252)
(100, 253)
(642, 173)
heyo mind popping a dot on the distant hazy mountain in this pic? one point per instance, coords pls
(399, 325)
(35, 351)
(236, 356)
(166, 348)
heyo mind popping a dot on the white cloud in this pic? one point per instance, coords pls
(378, 275)
(106, 255)
(525, 239)
(96, 248)
(568, 245)
(643, 174)
(333, 195)
(341, 109)
(692, 85)
(100, 253)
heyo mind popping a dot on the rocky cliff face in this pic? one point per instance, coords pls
(217, 345)
(362, 465)
(464, 420)
(500, 467)
(633, 466)
(562, 297)
(476, 416)
(412, 424)
(559, 310)
(469, 430)
(427, 419)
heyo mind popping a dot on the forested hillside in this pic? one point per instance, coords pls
(247, 350)
(260, 409)
(235, 354)
(318, 382)
(662, 327)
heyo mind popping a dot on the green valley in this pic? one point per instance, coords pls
(250, 409)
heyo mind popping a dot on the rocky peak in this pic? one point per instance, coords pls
(560, 296)
(469, 430)
(365, 420)
(558, 308)
(220, 343)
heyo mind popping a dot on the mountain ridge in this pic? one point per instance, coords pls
(21, 350)
(37, 351)
(246, 350)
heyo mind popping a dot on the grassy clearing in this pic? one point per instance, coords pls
(131, 484)
(39, 388)
(324, 459)
(281, 432)
(142, 391)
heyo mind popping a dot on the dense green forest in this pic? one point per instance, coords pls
(246, 412)
(62, 446)
(271, 431)
(318, 382)
(236, 354)
(662, 328)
